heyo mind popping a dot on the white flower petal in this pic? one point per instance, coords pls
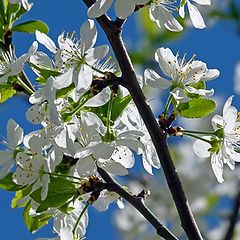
(203, 2)
(217, 167)
(211, 74)
(86, 167)
(230, 118)
(64, 80)
(124, 8)
(152, 79)
(195, 16)
(99, 8)
(14, 134)
(167, 61)
(201, 148)
(100, 99)
(112, 167)
(217, 122)
(46, 41)
(162, 16)
(124, 156)
(88, 34)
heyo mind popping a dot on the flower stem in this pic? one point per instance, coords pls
(197, 137)
(95, 69)
(65, 175)
(24, 85)
(78, 221)
(190, 131)
(109, 114)
(170, 97)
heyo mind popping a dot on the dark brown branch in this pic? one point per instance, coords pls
(138, 203)
(113, 34)
(233, 218)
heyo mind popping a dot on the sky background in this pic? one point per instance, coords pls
(218, 46)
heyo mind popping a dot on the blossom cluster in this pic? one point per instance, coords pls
(82, 127)
(160, 11)
(86, 120)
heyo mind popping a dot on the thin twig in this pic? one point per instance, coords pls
(113, 34)
(137, 202)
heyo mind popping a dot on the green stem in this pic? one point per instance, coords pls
(24, 85)
(197, 137)
(95, 69)
(109, 114)
(190, 131)
(65, 175)
(170, 98)
(78, 221)
(78, 108)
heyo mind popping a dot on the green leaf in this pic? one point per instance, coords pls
(183, 2)
(6, 92)
(19, 195)
(45, 72)
(65, 91)
(118, 106)
(8, 184)
(197, 108)
(12, 8)
(34, 223)
(31, 27)
(198, 85)
(60, 190)
(2, 13)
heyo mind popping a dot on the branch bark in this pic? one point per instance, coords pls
(113, 33)
(138, 203)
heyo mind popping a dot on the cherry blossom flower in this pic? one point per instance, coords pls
(182, 75)
(33, 166)
(194, 13)
(160, 12)
(14, 139)
(65, 223)
(10, 66)
(123, 8)
(224, 148)
(75, 57)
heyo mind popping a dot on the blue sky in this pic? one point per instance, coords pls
(218, 46)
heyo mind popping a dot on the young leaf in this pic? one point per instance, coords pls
(6, 92)
(34, 223)
(118, 106)
(8, 184)
(31, 27)
(197, 108)
(19, 195)
(44, 71)
(61, 93)
(60, 190)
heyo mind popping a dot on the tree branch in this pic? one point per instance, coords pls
(233, 218)
(113, 34)
(137, 202)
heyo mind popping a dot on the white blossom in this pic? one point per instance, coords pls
(194, 13)
(224, 149)
(10, 66)
(181, 75)
(123, 8)
(160, 12)
(65, 223)
(14, 139)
